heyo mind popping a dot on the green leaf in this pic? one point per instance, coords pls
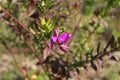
(100, 29)
(98, 47)
(110, 4)
(118, 40)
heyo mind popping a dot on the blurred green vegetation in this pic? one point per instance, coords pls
(101, 20)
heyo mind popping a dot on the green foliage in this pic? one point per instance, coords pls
(10, 75)
(47, 26)
(110, 4)
(112, 75)
(42, 76)
(45, 5)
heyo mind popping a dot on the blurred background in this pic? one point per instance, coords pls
(100, 20)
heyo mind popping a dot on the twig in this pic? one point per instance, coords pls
(33, 50)
(102, 54)
(77, 23)
(46, 71)
(21, 24)
(9, 14)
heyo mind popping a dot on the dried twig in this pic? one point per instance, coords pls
(77, 22)
(21, 24)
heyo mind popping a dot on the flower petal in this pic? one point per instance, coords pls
(55, 36)
(62, 38)
(54, 39)
(64, 48)
(69, 38)
(51, 45)
(56, 31)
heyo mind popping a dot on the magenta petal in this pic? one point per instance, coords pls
(62, 38)
(56, 32)
(69, 38)
(55, 36)
(64, 48)
(51, 45)
(54, 39)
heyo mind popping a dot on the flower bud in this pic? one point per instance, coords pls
(64, 48)
(55, 36)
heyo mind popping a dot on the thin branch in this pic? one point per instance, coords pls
(22, 25)
(9, 14)
(102, 54)
(77, 23)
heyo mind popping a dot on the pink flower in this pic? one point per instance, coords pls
(62, 40)
(64, 48)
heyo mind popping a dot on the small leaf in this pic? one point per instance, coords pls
(98, 48)
(110, 42)
(91, 53)
(109, 6)
(112, 39)
(113, 44)
(115, 58)
(43, 21)
(93, 65)
(77, 70)
(100, 29)
(46, 53)
(118, 40)
(85, 68)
